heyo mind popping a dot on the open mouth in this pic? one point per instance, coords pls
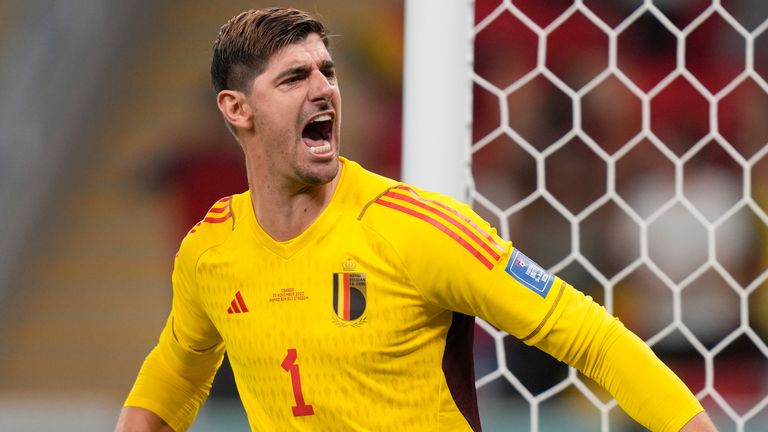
(317, 134)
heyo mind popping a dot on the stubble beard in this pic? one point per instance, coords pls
(318, 173)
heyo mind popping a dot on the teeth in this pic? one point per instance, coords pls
(326, 147)
(324, 117)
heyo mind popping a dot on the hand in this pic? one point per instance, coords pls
(135, 419)
(699, 423)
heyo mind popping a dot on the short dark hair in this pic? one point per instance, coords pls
(247, 41)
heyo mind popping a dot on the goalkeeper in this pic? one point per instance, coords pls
(346, 300)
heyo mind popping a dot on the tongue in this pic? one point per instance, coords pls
(310, 142)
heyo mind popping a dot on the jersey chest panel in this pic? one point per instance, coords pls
(339, 318)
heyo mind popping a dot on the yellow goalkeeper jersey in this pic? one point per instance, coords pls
(364, 322)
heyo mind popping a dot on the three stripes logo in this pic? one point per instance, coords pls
(218, 213)
(237, 305)
(473, 238)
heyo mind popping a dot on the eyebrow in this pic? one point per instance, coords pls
(327, 64)
(303, 70)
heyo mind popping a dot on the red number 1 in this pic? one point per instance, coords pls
(289, 364)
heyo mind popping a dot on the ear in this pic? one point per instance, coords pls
(235, 109)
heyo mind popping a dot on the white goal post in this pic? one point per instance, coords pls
(437, 98)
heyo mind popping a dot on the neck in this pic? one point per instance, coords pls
(285, 211)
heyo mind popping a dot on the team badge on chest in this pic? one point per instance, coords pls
(349, 295)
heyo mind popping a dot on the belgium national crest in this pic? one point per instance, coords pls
(349, 294)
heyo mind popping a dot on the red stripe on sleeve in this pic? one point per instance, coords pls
(453, 221)
(218, 209)
(218, 219)
(456, 213)
(437, 224)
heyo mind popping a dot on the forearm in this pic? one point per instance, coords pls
(135, 419)
(174, 381)
(644, 386)
(588, 338)
(700, 423)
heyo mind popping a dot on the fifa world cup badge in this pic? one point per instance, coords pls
(529, 274)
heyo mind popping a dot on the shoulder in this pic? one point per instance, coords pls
(410, 204)
(412, 218)
(360, 186)
(212, 230)
(373, 193)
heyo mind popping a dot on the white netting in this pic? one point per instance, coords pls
(624, 145)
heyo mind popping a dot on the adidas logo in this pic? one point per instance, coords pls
(237, 305)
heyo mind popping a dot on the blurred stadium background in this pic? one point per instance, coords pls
(111, 148)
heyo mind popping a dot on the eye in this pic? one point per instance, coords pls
(291, 79)
(329, 73)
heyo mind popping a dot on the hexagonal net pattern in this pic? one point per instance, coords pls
(624, 146)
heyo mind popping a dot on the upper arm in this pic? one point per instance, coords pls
(466, 267)
(176, 376)
(191, 326)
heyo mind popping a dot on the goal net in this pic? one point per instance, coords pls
(624, 145)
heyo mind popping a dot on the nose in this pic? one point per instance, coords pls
(321, 87)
